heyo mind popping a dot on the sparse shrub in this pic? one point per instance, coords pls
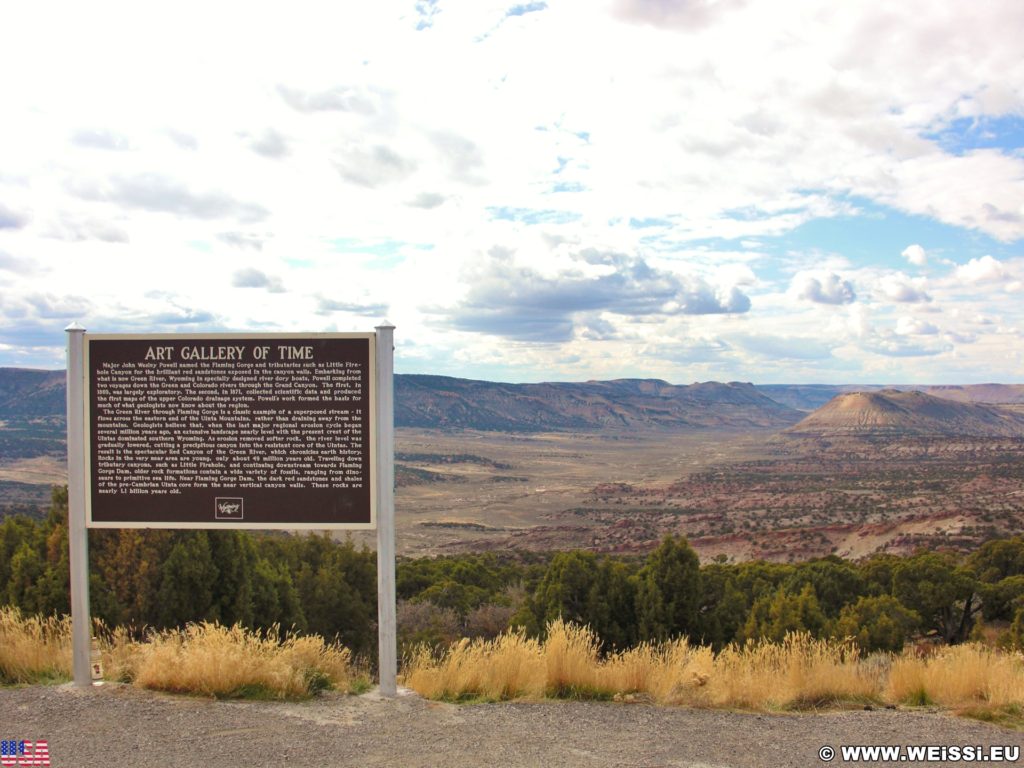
(423, 623)
(668, 591)
(940, 591)
(488, 621)
(1014, 636)
(879, 623)
(773, 617)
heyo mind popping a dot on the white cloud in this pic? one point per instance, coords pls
(12, 219)
(915, 254)
(903, 346)
(900, 288)
(912, 326)
(13, 264)
(829, 289)
(254, 278)
(163, 194)
(782, 347)
(511, 299)
(858, 321)
(100, 139)
(982, 270)
(270, 144)
(961, 338)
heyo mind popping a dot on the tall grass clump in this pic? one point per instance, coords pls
(214, 660)
(800, 672)
(510, 666)
(571, 659)
(673, 672)
(120, 651)
(959, 676)
(34, 649)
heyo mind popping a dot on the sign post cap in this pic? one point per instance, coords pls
(75, 326)
(385, 323)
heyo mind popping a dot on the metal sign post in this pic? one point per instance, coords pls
(386, 611)
(78, 540)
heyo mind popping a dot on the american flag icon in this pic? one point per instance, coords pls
(18, 753)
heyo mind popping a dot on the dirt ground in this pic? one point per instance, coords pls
(117, 725)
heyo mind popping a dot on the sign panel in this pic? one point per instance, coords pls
(230, 431)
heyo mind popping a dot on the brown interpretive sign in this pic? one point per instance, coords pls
(230, 431)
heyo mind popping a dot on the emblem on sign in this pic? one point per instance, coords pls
(227, 508)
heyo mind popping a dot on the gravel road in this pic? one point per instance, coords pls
(117, 725)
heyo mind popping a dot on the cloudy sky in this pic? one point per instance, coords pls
(683, 189)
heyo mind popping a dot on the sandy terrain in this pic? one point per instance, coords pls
(46, 470)
(541, 479)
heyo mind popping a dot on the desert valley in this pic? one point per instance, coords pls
(782, 473)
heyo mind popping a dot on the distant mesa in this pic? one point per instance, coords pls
(808, 397)
(31, 394)
(980, 393)
(892, 412)
(622, 404)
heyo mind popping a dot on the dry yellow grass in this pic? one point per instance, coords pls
(511, 666)
(214, 660)
(514, 666)
(799, 673)
(571, 657)
(119, 652)
(207, 659)
(960, 676)
(33, 648)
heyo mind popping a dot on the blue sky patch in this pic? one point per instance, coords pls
(648, 223)
(1005, 133)
(876, 235)
(532, 216)
(525, 8)
(386, 253)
